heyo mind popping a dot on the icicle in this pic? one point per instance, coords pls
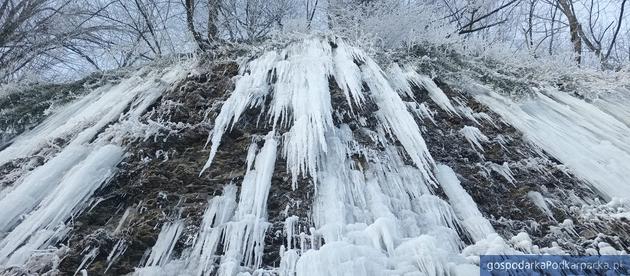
(244, 236)
(47, 197)
(251, 155)
(123, 219)
(540, 202)
(80, 122)
(464, 206)
(39, 228)
(202, 258)
(424, 112)
(163, 248)
(288, 262)
(347, 73)
(289, 228)
(436, 94)
(503, 170)
(584, 137)
(302, 93)
(394, 116)
(436, 210)
(219, 212)
(251, 87)
(400, 81)
(119, 248)
(37, 185)
(373, 216)
(474, 136)
(87, 259)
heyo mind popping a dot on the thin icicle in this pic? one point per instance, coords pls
(540, 202)
(396, 119)
(503, 170)
(588, 140)
(163, 248)
(37, 185)
(465, 207)
(347, 73)
(202, 258)
(220, 210)
(436, 94)
(251, 87)
(474, 136)
(289, 230)
(81, 121)
(44, 200)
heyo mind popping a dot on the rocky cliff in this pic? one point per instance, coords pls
(313, 158)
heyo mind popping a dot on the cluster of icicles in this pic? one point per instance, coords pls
(36, 209)
(379, 219)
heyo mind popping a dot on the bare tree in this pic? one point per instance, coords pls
(311, 7)
(594, 42)
(529, 31)
(552, 29)
(249, 20)
(42, 32)
(476, 17)
(212, 29)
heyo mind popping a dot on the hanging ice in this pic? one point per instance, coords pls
(475, 137)
(477, 226)
(244, 235)
(592, 143)
(47, 222)
(36, 208)
(299, 79)
(378, 217)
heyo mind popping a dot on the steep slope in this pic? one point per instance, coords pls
(312, 159)
(62, 161)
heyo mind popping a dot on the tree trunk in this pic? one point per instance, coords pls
(213, 14)
(574, 28)
(190, 12)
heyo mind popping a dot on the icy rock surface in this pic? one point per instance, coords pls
(309, 159)
(38, 207)
(592, 143)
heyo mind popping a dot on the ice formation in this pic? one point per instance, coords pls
(36, 208)
(592, 143)
(474, 137)
(297, 78)
(477, 226)
(380, 218)
(244, 236)
(540, 202)
(381, 205)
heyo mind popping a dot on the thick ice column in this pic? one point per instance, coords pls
(244, 236)
(37, 185)
(463, 204)
(41, 226)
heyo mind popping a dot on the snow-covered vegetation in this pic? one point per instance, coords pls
(62, 40)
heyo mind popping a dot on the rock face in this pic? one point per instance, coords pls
(313, 159)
